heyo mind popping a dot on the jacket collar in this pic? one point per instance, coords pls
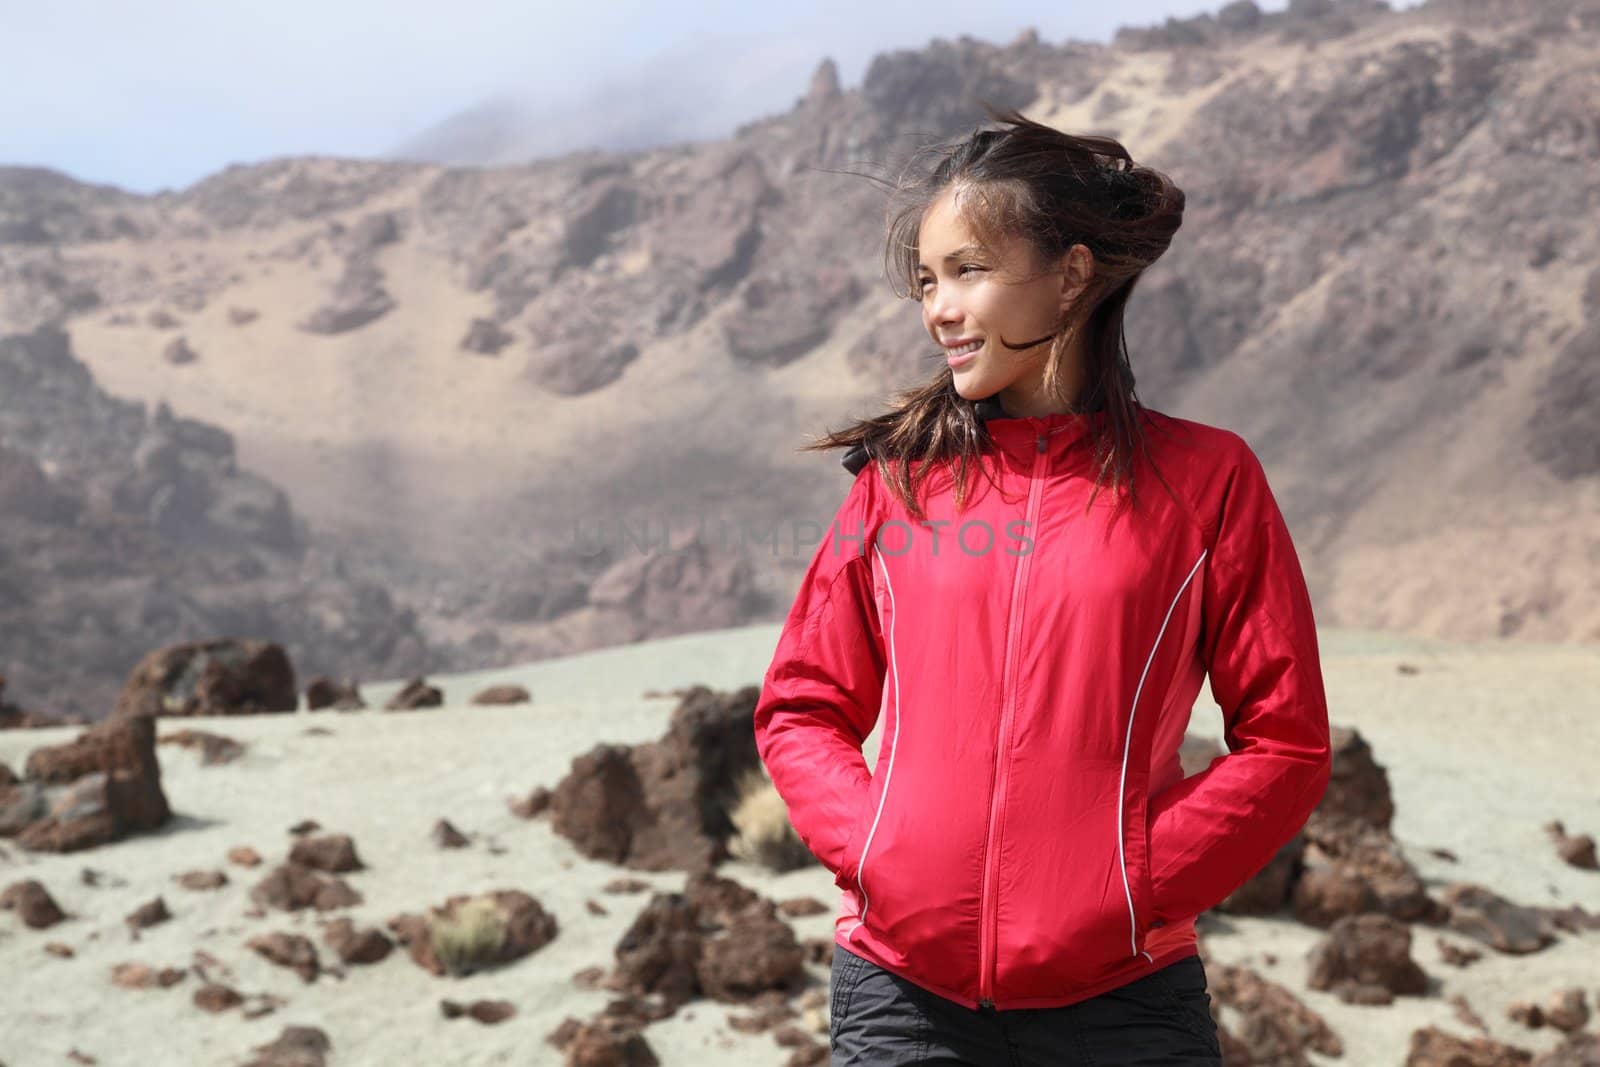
(1014, 433)
(1021, 433)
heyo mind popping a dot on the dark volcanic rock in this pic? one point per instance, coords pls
(416, 693)
(502, 694)
(323, 692)
(224, 677)
(296, 1046)
(1366, 959)
(357, 945)
(716, 939)
(291, 887)
(100, 787)
(33, 903)
(334, 853)
(1432, 1047)
(1274, 1026)
(665, 804)
(1486, 916)
(293, 951)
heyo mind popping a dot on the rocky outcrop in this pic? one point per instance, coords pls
(1345, 861)
(663, 805)
(127, 530)
(358, 298)
(102, 786)
(1273, 1025)
(784, 312)
(226, 677)
(716, 939)
(576, 366)
(1378, 131)
(1366, 959)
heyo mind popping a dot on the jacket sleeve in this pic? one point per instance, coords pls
(1211, 832)
(821, 695)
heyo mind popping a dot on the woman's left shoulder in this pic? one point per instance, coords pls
(1194, 444)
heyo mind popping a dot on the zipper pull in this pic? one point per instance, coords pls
(1042, 442)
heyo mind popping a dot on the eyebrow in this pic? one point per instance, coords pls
(964, 250)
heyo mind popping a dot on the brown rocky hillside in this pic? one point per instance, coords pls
(1385, 282)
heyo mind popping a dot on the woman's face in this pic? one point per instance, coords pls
(977, 300)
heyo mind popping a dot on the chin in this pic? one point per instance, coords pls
(973, 387)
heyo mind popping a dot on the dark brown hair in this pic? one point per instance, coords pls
(1055, 190)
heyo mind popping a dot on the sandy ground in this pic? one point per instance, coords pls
(1484, 745)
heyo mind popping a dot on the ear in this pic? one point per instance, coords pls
(1077, 271)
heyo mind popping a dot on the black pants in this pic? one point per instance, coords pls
(879, 1019)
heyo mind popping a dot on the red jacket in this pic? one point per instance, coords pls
(1027, 838)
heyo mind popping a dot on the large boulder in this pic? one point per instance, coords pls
(663, 805)
(100, 787)
(1358, 795)
(716, 939)
(1366, 959)
(1368, 874)
(220, 677)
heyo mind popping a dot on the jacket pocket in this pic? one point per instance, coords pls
(850, 868)
(1141, 882)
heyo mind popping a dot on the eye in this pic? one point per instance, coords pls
(923, 284)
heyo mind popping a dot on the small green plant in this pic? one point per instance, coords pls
(469, 937)
(762, 831)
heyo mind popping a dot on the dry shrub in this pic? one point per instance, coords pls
(762, 832)
(470, 938)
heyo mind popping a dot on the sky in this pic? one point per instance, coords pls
(159, 94)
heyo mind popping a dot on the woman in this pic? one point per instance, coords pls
(1021, 871)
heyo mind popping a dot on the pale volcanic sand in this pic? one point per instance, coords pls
(1484, 745)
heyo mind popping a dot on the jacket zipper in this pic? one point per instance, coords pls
(988, 934)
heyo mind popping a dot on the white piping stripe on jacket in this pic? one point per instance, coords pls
(888, 775)
(1127, 743)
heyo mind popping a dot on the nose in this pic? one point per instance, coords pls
(941, 310)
